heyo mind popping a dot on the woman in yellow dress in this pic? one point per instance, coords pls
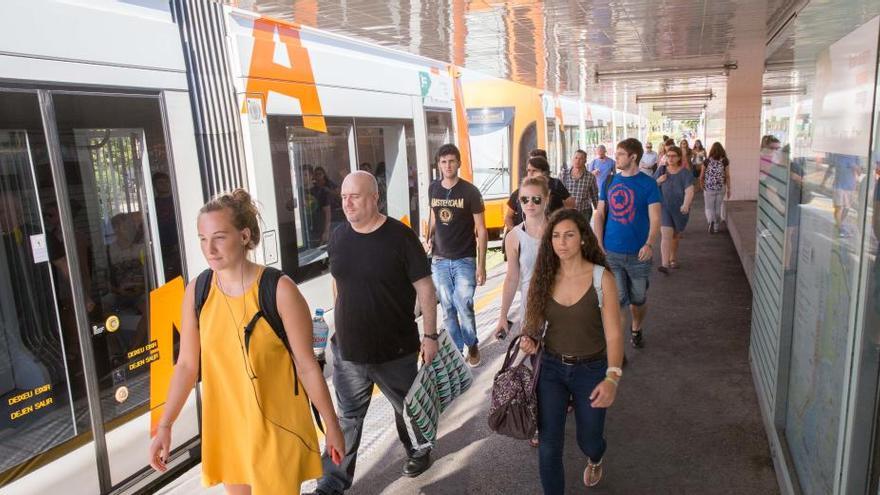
(257, 435)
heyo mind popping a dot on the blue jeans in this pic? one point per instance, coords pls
(631, 276)
(557, 382)
(456, 281)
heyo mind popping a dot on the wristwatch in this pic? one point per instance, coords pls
(432, 336)
(614, 370)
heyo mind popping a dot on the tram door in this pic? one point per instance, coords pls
(89, 229)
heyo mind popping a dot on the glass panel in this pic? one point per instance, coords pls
(371, 157)
(439, 126)
(490, 136)
(309, 167)
(38, 345)
(381, 149)
(111, 146)
(833, 164)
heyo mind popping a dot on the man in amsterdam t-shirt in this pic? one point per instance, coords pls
(627, 224)
(457, 233)
(379, 269)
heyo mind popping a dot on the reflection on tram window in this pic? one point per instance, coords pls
(309, 167)
(413, 175)
(36, 362)
(121, 198)
(439, 126)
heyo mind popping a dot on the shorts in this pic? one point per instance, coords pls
(674, 219)
(842, 198)
(631, 276)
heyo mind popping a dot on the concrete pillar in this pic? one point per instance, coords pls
(742, 124)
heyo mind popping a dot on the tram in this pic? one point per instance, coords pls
(102, 175)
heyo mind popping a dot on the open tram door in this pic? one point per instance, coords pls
(90, 290)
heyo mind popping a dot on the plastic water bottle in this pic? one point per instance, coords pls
(320, 330)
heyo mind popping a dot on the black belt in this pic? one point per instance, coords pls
(569, 359)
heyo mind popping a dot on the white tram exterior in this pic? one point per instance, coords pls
(117, 121)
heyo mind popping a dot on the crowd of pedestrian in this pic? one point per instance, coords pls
(579, 248)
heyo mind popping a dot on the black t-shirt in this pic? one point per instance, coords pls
(558, 194)
(454, 211)
(375, 321)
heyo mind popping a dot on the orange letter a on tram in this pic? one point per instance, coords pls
(296, 81)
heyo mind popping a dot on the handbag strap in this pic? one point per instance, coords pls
(512, 352)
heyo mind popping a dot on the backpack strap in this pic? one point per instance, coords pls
(268, 300)
(203, 288)
(598, 271)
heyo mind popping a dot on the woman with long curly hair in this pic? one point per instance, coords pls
(582, 344)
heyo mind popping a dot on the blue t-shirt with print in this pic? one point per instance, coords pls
(604, 167)
(626, 206)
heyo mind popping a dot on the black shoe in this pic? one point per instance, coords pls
(662, 269)
(415, 466)
(637, 340)
(712, 228)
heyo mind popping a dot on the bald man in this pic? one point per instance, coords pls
(379, 268)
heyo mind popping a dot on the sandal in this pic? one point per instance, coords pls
(663, 269)
(673, 265)
(636, 339)
(593, 472)
(534, 441)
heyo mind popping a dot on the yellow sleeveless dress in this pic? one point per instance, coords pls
(255, 431)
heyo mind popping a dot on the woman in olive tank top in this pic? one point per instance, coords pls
(576, 296)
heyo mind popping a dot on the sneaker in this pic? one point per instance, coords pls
(637, 340)
(473, 356)
(715, 228)
(593, 473)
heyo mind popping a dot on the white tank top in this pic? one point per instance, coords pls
(528, 257)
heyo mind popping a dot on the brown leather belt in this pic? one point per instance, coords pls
(569, 359)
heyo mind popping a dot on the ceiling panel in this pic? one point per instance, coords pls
(553, 44)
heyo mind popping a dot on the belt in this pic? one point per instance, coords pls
(569, 359)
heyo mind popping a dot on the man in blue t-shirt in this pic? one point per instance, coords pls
(847, 172)
(627, 224)
(601, 167)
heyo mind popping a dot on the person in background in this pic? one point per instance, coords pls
(687, 155)
(601, 167)
(581, 184)
(699, 158)
(648, 165)
(715, 183)
(677, 189)
(583, 344)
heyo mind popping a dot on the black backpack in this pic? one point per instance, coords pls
(268, 291)
(605, 187)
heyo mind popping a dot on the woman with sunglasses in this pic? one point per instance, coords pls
(677, 188)
(583, 344)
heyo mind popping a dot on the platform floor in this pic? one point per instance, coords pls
(686, 420)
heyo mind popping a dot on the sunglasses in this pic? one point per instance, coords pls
(536, 200)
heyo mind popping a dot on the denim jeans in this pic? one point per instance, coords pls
(354, 389)
(631, 276)
(456, 281)
(557, 382)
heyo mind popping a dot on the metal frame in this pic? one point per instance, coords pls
(93, 399)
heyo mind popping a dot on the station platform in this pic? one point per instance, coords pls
(686, 419)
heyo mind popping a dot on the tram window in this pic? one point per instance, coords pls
(490, 132)
(40, 365)
(381, 145)
(309, 167)
(120, 194)
(439, 126)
